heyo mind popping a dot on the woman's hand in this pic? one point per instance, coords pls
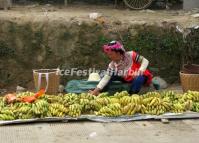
(95, 92)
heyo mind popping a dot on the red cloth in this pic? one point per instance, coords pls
(135, 67)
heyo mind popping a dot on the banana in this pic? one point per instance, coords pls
(6, 117)
(75, 110)
(120, 103)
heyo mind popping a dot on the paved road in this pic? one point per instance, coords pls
(182, 131)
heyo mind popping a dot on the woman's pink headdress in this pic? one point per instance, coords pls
(113, 45)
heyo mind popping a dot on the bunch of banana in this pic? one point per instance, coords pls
(104, 94)
(23, 111)
(6, 114)
(153, 110)
(6, 117)
(96, 106)
(131, 109)
(155, 105)
(191, 95)
(20, 104)
(87, 96)
(152, 94)
(136, 99)
(103, 101)
(188, 105)
(121, 94)
(150, 100)
(87, 102)
(178, 108)
(27, 116)
(70, 98)
(75, 110)
(116, 107)
(114, 100)
(24, 94)
(195, 107)
(125, 100)
(54, 98)
(57, 110)
(111, 110)
(86, 106)
(2, 102)
(168, 94)
(40, 108)
(105, 111)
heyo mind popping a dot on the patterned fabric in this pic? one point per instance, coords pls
(122, 66)
(135, 67)
(131, 62)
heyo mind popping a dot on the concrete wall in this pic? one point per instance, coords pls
(189, 4)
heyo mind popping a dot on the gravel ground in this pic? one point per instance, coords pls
(36, 13)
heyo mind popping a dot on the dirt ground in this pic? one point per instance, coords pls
(36, 13)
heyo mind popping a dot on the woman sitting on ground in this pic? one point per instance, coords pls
(128, 67)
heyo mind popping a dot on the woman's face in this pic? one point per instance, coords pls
(114, 56)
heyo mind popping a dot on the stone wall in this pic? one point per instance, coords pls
(28, 46)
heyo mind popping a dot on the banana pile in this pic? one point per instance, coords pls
(54, 99)
(57, 110)
(130, 109)
(111, 110)
(6, 114)
(121, 94)
(70, 99)
(40, 108)
(195, 107)
(190, 100)
(88, 103)
(24, 94)
(75, 110)
(155, 105)
(2, 103)
(191, 95)
(23, 111)
(119, 104)
(125, 100)
(131, 104)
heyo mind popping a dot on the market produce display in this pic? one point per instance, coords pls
(74, 105)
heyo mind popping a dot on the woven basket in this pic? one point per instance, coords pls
(189, 81)
(191, 69)
(47, 79)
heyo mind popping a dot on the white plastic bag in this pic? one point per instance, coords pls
(161, 82)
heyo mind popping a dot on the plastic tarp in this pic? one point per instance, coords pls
(80, 86)
(136, 117)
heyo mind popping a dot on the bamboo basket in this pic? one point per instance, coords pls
(191, 69)
(189, 81)
(47, 79)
